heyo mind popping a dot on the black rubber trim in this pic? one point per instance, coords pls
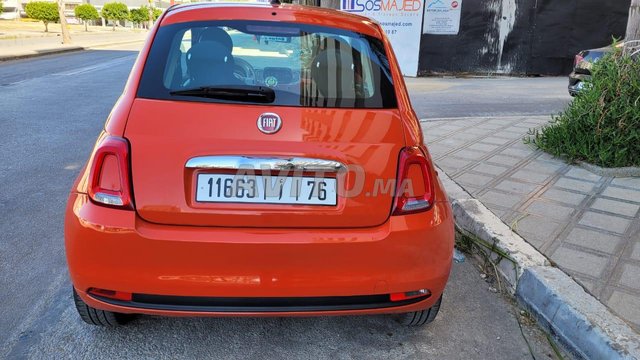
(259, 305)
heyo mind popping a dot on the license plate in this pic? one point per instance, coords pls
(258, 189)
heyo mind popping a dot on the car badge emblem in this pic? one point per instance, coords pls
(269, 123)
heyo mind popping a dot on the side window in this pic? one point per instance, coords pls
(176, 70)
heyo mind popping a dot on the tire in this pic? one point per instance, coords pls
(422, 317)
(97, 317)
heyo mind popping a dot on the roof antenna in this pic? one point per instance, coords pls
(275, 2)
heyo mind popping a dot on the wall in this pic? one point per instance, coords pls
(523, 36)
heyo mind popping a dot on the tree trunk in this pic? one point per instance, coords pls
(633, 26)
(113, 24)
(66, 37)
(46, 26)
(150, 15)
(85, 25)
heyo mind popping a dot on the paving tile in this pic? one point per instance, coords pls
(594, 240)
(468, 137)
(578, 185)
(546, 157)
(439, 151)
(582, 174)
(605, 222)
(490, 169)
(496, 140)
(452, 164)
(469, 154)
(521, 153)
(516, 187)
(456, 143)
(540, 226)
(630, 276)
(504, 160)
(543, 208)
(501, 199)
(580, 261)
(633, 183)
(627, 306)
(533, 239)
(624, 194)
(616, 207)
(546, 167)
(473, 179)
(483, 147)
(589, 285)
(564, 196)
(531, 176)
(489, 126)
(635, 254)
(450, 127)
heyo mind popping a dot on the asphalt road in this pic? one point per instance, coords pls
(478, 97)
(51, 111)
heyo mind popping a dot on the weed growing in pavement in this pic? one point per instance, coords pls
(602, 125)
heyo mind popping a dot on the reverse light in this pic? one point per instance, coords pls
(414, 187)
(109, 174)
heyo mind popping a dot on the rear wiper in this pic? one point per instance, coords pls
(259, 94)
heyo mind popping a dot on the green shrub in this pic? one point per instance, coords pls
(86, 12)
(115, 11)
(44, 11)
(156, 13)
(602, 124)
(139, 15)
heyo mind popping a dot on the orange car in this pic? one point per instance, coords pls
(263, 160)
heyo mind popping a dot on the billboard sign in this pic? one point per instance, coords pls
(442, 17)
(401, 20)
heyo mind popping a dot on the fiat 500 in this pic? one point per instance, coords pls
(263, 160)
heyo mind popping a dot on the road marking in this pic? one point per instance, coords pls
(100, 66)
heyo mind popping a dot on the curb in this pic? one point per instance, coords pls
(53, 51)
(611, 172)
(587, 328)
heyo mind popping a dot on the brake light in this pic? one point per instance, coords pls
(109, 175)
(414, 187)
(579, 59)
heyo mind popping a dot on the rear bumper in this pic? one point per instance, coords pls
(116, 250)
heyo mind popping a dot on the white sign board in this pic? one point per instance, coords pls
(442, 17)
(401, 20)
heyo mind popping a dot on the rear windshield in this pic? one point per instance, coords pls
(297, 64)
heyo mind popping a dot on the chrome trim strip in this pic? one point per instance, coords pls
(230, 162)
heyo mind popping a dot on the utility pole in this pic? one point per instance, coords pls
(633, 26)
(66, 37)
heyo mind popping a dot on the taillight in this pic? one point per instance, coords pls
(414, 187)
(578, 60)
(109, 174)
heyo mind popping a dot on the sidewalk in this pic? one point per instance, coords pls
(23, 45)
(587, 224)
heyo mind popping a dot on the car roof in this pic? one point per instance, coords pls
(264, 11)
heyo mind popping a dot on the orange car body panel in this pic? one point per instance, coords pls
(149, 250)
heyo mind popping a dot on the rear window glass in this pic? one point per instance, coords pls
(302, 65)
